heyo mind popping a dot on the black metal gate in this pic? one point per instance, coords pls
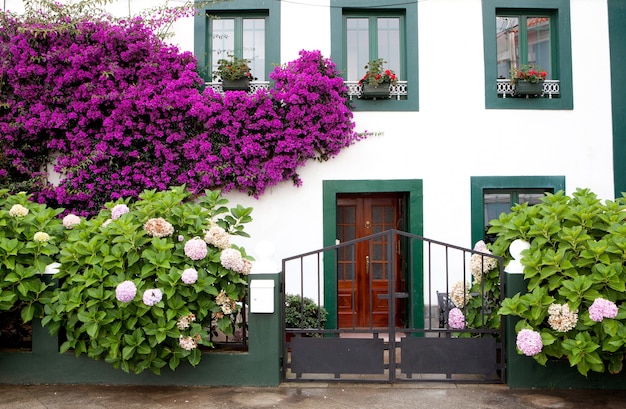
(424, 346)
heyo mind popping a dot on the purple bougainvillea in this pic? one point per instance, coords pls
(116, 110)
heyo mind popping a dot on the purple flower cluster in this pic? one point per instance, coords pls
(118, 111)
(125, 291)
(190, 276)
(529, 342)
(456, 319)
(601, 309)
(196, 249)
(152, 297)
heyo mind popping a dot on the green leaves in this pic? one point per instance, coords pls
(581, 352)
(99, 254)
(577, 254)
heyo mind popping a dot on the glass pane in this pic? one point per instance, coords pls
(389, 212)
(379, 251)
(507, 44)
(495, 204)
(539, 43)
(389, 44)
(254, 45)
(222, 39)
(531, 198)
(349, 272)
(378, 271)
(357, 46)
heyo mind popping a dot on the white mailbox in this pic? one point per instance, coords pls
(262, 296)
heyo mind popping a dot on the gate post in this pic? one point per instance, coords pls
(264, 321)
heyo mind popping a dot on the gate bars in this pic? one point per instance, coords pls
(424, 347)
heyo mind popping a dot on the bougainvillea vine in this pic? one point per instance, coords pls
(114, 110)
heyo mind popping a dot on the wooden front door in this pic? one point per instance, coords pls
(364, 270)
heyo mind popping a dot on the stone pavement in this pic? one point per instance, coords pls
(305, 395)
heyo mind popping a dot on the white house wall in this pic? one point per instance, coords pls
(452, 137)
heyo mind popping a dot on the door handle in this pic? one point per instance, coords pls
(367, 265)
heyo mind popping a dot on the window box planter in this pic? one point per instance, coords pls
(241, 84)
(529, 88)
(375, 92)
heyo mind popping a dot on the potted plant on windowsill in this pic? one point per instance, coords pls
(528, 80)
(234, 73)
(377, 80)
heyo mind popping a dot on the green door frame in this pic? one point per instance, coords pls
(413, 189)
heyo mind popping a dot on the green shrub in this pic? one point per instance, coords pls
(30, 234)
(141, 285)
(575, 275)
(303, 312)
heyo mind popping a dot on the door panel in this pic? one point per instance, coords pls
(364, 270)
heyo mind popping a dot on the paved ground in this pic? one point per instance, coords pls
(323, 396)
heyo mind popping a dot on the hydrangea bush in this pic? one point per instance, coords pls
(575, 275)
(477, 302)
(30, 235)
(142, 284)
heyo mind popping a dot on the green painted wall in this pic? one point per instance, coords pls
(260, 366)
(617, 34)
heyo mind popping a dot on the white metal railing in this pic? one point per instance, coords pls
(550, 88)
(354, 89)
(395, 91)
(254, 86)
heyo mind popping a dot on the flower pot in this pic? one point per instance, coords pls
(375, 92)
(529, 88)
(241, 84)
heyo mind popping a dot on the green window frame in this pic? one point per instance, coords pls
(514, 186)
(239, 11)
(560, 52)
(525, 36)
(342, 10)
(374, 21)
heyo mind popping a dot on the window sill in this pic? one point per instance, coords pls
(551, 88)
(398, 91)
(254, 86)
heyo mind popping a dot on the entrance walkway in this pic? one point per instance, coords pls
(305, 395)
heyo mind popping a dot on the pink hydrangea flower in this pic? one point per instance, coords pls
(456, 319)
(187, 343)
(70, 221)
(118, 210)
(158, 227)
(231, 259)
(152, 296)
(125, 291)
(601, 309)
(196, 249)
(529, 342)
(190, 276)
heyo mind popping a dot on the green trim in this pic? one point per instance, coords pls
(269, 9)
(331, 188)
(617, 33)
(409, 45)
(562, 54)
(480, 183)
